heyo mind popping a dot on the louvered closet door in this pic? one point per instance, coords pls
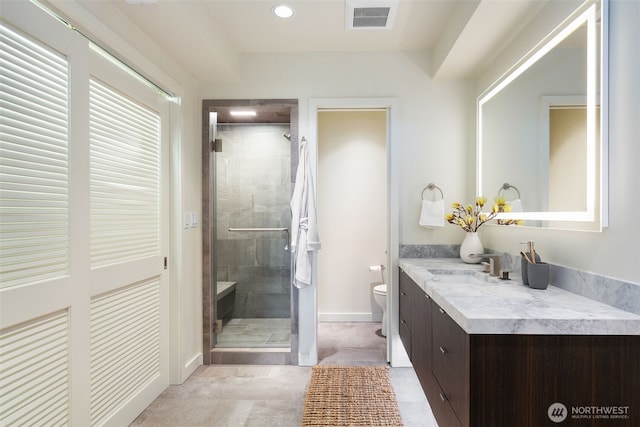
(83, 226)
(36, 284)
(128, 313)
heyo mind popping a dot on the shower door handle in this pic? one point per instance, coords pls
(285, 229)
(259, 229)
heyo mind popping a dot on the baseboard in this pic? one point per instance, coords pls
(350, 317)
(191, 366)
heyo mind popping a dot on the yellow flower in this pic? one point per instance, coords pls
(519, 221)
(470, 217)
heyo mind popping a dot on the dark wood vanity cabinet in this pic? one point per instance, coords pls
(512, 380)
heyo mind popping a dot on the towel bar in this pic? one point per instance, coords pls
(506, 186)
(285, 229)
(432, 187)
(259, 229)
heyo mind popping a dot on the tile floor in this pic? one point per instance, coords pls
(264, 396)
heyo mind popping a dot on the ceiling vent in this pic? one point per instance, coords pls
(370, 14)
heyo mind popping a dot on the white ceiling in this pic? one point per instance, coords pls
(207, 36)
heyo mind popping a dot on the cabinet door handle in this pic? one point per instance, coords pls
(441, 310)
(426, 296)
(404, 294)
(443, 397)
(443, 350)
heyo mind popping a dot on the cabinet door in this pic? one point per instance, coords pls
(405, 311)
(421, 334)
(450, 362)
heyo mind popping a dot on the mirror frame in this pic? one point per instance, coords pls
(586, 13)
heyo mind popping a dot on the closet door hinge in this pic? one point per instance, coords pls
(216, 145)
(165, 263)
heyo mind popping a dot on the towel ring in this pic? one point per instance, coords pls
(506, 186)
(432, 187)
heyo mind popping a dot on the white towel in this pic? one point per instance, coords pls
(432, 213)
(304, 221)
(516, 205)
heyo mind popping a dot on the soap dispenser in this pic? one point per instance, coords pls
(531, 254)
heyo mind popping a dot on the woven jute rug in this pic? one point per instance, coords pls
(350, 396)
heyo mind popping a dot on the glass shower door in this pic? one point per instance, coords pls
(252, 214)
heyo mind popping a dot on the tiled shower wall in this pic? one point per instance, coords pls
(253, 185)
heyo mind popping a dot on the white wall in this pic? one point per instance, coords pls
(614, 252)
(352, 195)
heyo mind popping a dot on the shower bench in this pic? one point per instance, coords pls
(226, 293)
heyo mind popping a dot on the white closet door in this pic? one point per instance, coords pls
(36, 281)
(83, 226)
(127, 223)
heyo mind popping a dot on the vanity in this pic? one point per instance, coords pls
(492, 352)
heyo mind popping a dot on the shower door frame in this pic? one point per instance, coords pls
(209, 232)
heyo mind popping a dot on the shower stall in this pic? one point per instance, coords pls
(250, 303)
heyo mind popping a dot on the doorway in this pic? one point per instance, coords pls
(249, 150)
(352, 196)
(308, 327)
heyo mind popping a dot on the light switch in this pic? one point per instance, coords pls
(187, 220)
(194, 219)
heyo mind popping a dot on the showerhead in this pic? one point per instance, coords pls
(286, 135)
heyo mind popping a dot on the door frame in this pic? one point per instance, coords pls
(209, 231)
(308, 308)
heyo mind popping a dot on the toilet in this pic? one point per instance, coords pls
(380, 295)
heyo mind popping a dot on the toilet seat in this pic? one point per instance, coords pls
(380, 289)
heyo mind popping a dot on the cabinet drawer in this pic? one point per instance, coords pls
(405, 311)
(421, 333)
(405, 335)
(449, 361)
(405, 299)
(441, 407)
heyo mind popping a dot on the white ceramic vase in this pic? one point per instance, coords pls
(471, 245)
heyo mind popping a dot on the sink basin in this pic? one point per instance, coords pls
(458, 278)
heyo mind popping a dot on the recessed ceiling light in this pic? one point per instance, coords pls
(282, 11)
(243, 113)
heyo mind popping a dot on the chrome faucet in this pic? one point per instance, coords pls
(494, 262)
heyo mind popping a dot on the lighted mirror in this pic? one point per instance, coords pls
(542, 130)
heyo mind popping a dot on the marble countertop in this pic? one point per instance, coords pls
(481, 304)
